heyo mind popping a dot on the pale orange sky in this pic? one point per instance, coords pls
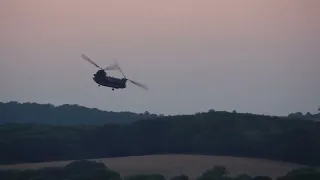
(251, 56)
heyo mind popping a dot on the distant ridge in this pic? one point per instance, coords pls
(66, 114)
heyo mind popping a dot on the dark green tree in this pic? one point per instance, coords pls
(145, 177)
(262, 178)
(180, 177)
(242, 177)
(216, 173)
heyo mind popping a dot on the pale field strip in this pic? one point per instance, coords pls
(172, 165)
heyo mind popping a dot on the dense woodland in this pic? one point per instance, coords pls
(213, 132)
(85, 170)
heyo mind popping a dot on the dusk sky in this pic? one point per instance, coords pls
(248, 55)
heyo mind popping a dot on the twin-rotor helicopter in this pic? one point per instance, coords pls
(101, 78)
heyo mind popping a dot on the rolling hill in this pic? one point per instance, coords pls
(211, 133)
(33, 132)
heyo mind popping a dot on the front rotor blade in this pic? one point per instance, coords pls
(139, 84)
(89, 60)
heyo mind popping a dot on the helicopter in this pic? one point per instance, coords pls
(102, 79)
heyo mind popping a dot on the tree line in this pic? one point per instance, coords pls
(306, 116)
(210, 133)
(73, 114)
(67, 114)
(85, 170)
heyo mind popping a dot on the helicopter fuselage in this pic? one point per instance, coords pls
(115, 83)
(101, 78)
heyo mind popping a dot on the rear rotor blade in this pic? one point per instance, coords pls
(122, 72)
(112, 67)
(139, 84)
(90, 61)
(115, 66)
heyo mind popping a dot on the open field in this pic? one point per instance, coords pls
(171, 165)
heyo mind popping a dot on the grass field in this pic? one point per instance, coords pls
(171, 165)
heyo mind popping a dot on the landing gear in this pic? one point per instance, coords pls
(112, 89)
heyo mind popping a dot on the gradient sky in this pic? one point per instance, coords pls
(247, 55)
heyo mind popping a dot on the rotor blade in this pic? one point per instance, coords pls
(139, 84)
(115, 66)
(112, 67)
(122, 72)
(89, 60)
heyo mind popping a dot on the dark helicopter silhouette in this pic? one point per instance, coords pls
(101, 78)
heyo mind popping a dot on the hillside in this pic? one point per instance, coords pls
(172, 165)
(14, 112)
(212, 133)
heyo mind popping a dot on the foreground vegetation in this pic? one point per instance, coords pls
(212, 133)
(85, 170)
